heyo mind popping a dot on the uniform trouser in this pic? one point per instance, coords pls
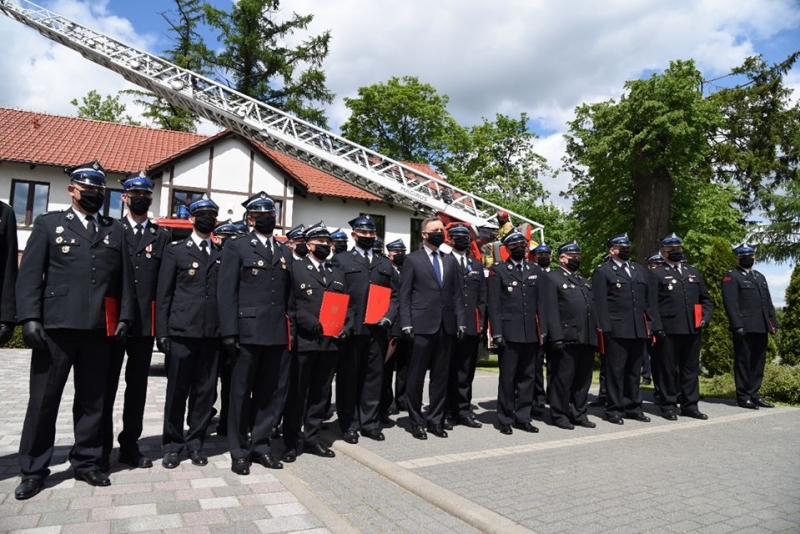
(570, 382)
(88, 352)
(429, 350)
(515, 387)
(749, 358)
(359, 378)
(678, 361)
(650, 353)
(396, 368)
(602, 394)
(647, 365)
(462, 373)
(254, 392)
(310, 387)
(540, 392)
(192, 375)
(623, 361)
(224, 366)
(137, 369)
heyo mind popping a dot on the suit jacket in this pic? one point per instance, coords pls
(748, 302)
(145, 253)
(522, 305)
(424, 305)
(9, 258)
(472, 285)
(359, 274)
(186, 298)
(625, 306)
(576, 308)
(677, 294)
(305, 302)
(65, 275)
(253, 291)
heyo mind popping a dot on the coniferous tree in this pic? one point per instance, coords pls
(790, 324)
(716, 354)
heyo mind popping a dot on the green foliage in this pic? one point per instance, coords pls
(403, 119)
(108, 109)
(257, 60)
(16, 341)
(781, 238)
(721, 386)
(716, 355)
(781, 383)
(790, 322)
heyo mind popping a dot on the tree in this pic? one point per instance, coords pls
(790, 321)
(108, 109)
(257, 60)
(403, 119)
(716, 343)
(781, 237)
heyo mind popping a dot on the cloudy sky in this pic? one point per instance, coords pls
(537, 56)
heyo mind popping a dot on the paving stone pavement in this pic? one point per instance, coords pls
(737, 472)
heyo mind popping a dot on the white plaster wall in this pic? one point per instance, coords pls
(192, 172)
(231, 166)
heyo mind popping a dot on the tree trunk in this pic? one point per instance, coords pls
(652, 201)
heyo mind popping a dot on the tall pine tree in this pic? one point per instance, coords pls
(790, 325)
(717, 346)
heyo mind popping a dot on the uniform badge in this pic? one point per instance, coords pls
(302, 286)
(253, 242)
(514, 284)
(189, 244)
(669, 288)
(309, 267)
(192, 272)
(148, 255)
(255, 272)
(72, 241)
(105, 240)
(565, 286)
(59, 240)
(510, 267)
(527, 267)
(618, 285)
(614, 267)
(572, 286)
(309, 291)
(152, 230)
(260, 263)
(65, 249)
(59, 229)
(69, 216)
(195, 265)
(510, 289)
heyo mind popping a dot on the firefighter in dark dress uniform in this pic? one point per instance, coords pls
(751, 313)
(339, 241)
(9, 258)
(624, 310)
(522, 313)
(543, 256)
(650, 371)
(359, 373)
(680, 289)
(74, 273)
(572, 369)
(187, 326)
(316, 353)
(394, 399)
(146, 243)
(296, 242)
(253, 295)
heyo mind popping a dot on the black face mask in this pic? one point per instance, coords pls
(264, 225)
(205, 224)
(544, 262)
(435, 238)
(747, 261)
(573, 264)
(339, 246)
(365, 243)
(517, 254)
(321, 252)
(139, 205)
(461, 243)
(624, 254)
(91, 201)
(398, 259)
(675, 256)
(301, 249)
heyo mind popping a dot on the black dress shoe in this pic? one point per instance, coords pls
(585, 423)
(351, 436)
(566, 425)
(418, 432)
(598, 402)
(136, 459)
(447, 424)
(758, 401)
(670, 416)
(171, 460)
(198, 458)
(526, 427)
(638, 417)
(393, 411)
(240, 466)
(470, 421)
(275, 433)
(319, 450)
(375, 435)
(267, 460)
(28, 488)
(94, 478)
(694, 414)
(615, 419)
(750, 405)
(506, 429)
(437, 430)
(385, 419)
(222, 430)
(646, 381)
(289, 456)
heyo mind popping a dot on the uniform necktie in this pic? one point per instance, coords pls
(321, 270)
(91, 227)
(204, 246)
(139, 228)
(519, 267)
(437, 268)
(268, 246)
(628, 269)
(463, 263)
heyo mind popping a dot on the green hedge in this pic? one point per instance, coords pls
(781, 384)
(16, 340)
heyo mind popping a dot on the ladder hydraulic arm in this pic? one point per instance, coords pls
(391, 180)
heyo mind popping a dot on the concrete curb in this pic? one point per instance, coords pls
(467, 511)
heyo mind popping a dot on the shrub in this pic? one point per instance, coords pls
(781, 383)
(16, 341)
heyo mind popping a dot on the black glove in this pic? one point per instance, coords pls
(659, 337)
(606, 340)
(163, 345)
(121, 332)
(738, 333)
(498, 341)
(342, 336)
(408, 333)
(316, 331)
(557, 348)
(384, 323)
(230, 344)
(6, 331)
(34, 335)
(702, 325)
(461, 332)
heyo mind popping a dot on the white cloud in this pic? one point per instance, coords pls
(778, 278)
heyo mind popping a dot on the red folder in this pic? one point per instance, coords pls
(601, 344)
(153, 318)
(391, 348)
(333, 312)
(539, 328)
(112, 315)
(288, 334)
(478, 320)
(698, 315)
(377, 303)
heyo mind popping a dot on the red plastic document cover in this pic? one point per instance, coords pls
(478, 320)
(601, 344)
(153, 318)
(698, 315)
(377, 303)
(288, 334)
(112, 315)
(333, 313)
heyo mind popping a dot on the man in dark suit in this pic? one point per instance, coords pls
(75, 281)
(684, 309)
(570, 372)
(397, 352)
(359, 373)
(316, 350)
(187, 326)
(751, 313)
(253, 295)
(472, 285)
(146, 242)
(9, 258)
(431, 315)
(522, 313)
(543, 256)
(624, 310)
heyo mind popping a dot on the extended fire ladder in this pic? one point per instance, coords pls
(390, 180)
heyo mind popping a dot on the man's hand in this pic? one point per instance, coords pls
(6, 331)
(498, 341)
(230, 344)
(342, 336)
(33, 334)
(316, 331)
(384, 323)
(121, 332)
(163, 345)
(659, 336)
(408, 333)
(557, 348)
(738, 333)
(461, 332)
